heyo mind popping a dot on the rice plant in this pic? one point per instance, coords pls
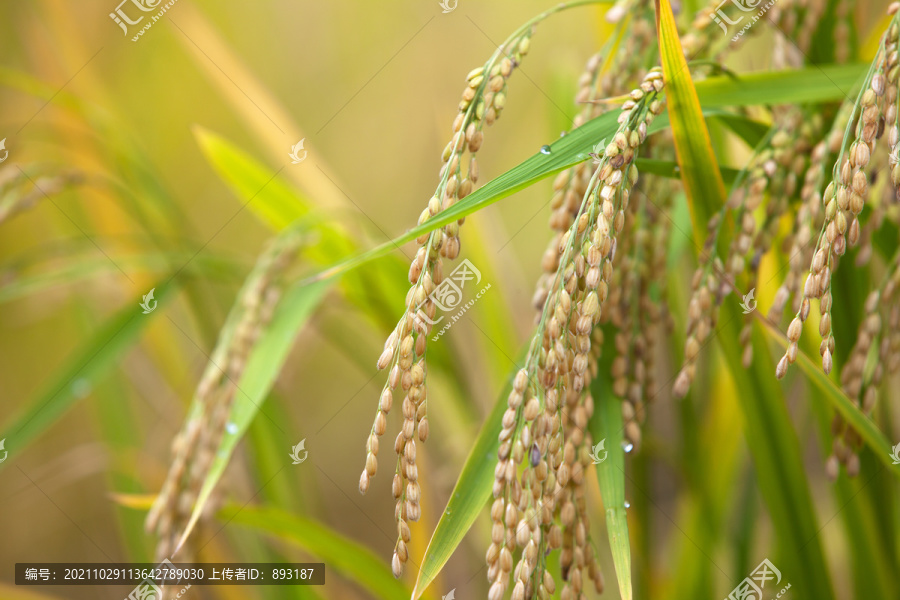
(627, 403)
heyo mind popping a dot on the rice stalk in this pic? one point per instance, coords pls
(21, 190)
(482, 103)
(538, 488)
(845, 196)
(543, 509)
(195, 445)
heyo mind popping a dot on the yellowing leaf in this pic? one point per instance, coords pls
(699, 169)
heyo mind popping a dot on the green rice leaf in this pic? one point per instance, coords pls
(818, 85)
(91, 364)
(777, 458)
(866, 428)
(671, 170)
(565, 152)
(267, 196)
(606, 427)
(340, 554)
(470, 494)
(828, 83)
(703, 184)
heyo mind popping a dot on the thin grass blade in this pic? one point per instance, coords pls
(699, 168)
(828, 83)
(470, 494)
(340, 554)
(565, 152)
(92, 362)
(606, 426)
(267, 196)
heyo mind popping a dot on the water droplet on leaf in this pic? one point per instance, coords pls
(81, 388)
(231, 428)
(627, 446)
(545, 149)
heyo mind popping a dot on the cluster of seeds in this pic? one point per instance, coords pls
(845, 196)
(570, 185)
(626, 68)
(194, 447)
(632, 317)
(544, 450)
(809, 215)
(843, 19)
(404, 351)
(776, 174)
(631, 311)
(701, 315)
(633, 314)
(637, 49)
(543, 433)
(795, 19)
(877, 349)
(772, 173)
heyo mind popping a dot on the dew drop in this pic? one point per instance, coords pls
(627, 446)
(563, 133)
(81, 388)
(545, 149)
(231, 428)
(627, 504)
